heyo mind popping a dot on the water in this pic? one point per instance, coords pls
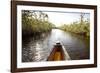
(36, 49)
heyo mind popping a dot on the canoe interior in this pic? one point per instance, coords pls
(56, 54)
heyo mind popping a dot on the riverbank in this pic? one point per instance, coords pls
(77, 28)
(35, 23)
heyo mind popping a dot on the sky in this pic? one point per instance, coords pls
(60, 18)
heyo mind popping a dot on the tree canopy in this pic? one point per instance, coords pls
(81, 27)
(35, 22)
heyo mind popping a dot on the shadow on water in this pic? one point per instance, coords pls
(38, 48)
(34, 48)
(79, 48)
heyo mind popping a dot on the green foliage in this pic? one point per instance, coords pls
(81, 27)
(78, 28)
(35, 22)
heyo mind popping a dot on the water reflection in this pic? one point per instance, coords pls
(39, 48)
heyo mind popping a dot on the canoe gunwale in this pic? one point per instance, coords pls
(58, 48)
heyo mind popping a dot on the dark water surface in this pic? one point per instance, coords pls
(38, 48)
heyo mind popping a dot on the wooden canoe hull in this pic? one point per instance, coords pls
(57, 53)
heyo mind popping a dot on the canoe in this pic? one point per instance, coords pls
(58, 53)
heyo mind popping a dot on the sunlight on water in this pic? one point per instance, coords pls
(38, 46)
